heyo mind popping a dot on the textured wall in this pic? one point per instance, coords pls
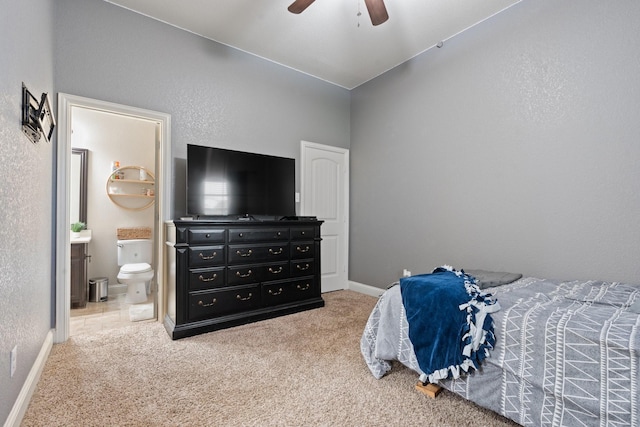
(216, 95)
(25, 194)
(513, 147)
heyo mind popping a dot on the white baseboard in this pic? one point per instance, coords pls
(365, 289)
(22, 402)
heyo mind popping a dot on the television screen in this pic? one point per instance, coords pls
(226, 182)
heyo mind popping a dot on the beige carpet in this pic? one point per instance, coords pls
(303, 369)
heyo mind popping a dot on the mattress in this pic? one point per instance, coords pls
(566, 353)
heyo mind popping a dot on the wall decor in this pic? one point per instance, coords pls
(37, 116)
(46, 120)
(30, 124)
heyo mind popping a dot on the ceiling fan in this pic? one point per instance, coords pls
(377, 11)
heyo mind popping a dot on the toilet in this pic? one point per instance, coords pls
(134, 258)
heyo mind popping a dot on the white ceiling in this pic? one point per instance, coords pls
(325, 40)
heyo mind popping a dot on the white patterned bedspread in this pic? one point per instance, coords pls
(566, 354)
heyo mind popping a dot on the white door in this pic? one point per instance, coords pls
(325, 194)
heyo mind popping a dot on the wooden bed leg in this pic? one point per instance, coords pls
(431, 390)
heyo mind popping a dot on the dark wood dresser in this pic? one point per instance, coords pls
(227, 273)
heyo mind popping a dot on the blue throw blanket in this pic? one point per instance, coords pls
(450, 324)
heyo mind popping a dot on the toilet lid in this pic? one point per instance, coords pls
(140, 267)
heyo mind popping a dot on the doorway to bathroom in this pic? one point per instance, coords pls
(129, 207)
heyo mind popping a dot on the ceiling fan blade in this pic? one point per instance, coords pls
(299, 6)
(377, 11)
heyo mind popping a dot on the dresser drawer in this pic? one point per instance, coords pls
(302, 250)
(203, 305)
(275, 293)
(207, 278)
(206, 256)
(257, 253)
(238, 235)
(302, 233)
(206, 235)
(302, 268)
(306, 288)
(257, 273)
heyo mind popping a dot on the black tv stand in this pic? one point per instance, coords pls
(298, 218)
(228, 273)
(224, 218)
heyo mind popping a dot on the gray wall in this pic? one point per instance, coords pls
(216, 95)
(513, 147)
(26, 193)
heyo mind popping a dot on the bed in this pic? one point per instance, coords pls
(565, 353)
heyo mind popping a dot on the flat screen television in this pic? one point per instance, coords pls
(234, 183)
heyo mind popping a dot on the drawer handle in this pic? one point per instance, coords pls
(272, 252)
(213, 301)
(244, 299)
(306, 267)
(275, 293)
(246, 254)
(240, 234)
(306, 249)
(243, 275)
(208, 279)
(207, 235)
(271, 270)
(208, 257)
(278, 234)
(306, 286)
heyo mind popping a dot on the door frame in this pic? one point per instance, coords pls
(344, 152)
(164, 172)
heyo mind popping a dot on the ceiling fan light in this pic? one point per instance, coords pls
(377, 10)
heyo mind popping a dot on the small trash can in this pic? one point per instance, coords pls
(98, 289)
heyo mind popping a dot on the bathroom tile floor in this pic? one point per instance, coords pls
(99, 316)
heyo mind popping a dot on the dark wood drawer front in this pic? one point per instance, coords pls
(301, 250)
(257, 273)
(206, 236)
(276, 271)
(206, 256)
(302, 233)
(275, 293)
(238, 235)
(302, 268)
(206, 278)
(305, 288)
(203, 305)
(257, 253)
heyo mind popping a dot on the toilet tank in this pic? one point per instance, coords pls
(134, 251)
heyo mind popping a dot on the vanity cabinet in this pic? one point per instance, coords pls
(227, 273)
(79, 275)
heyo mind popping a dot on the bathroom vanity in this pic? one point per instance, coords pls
(79, 257)
(227, 273)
